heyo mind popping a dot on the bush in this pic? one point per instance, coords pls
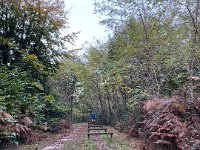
(170, 125)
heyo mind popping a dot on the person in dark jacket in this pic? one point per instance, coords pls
(92, 116)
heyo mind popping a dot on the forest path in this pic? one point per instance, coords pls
(77, 140)
(77, 131)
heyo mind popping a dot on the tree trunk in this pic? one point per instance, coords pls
(108, 99)
(101, 103)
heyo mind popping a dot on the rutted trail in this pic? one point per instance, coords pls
(77, 140)
(78, 130)
(100, 144)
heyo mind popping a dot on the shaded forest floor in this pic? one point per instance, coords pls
(76, 139)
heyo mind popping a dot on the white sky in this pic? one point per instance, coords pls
(81, 18)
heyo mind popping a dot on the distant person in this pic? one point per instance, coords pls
(92, 117)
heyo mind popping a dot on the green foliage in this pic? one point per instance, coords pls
(29, 43)
(176, 82)
(138, 96)
(18, 95)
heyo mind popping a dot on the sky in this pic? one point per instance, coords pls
(83, 19)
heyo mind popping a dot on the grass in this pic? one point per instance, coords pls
(81, 144)
(120, 142)
(116, 143)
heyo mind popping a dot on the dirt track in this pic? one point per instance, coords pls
(78, 130)
(77, 140)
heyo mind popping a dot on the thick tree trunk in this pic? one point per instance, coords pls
(109, 104)
(194, 16)
(115, 106)
(124, 97)
(71, 107)
(101, 103)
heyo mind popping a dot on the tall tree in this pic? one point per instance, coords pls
(30, 48)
